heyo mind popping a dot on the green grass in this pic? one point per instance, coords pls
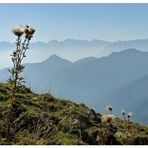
(50, 120)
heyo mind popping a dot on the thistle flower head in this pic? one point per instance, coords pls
(123, 112)
(18, 31)
(109, 107)
(107, 118)
(129, 114)
(27, 25)
(29, 31)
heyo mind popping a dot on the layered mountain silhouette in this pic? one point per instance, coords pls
(119, 79)
(70, 49)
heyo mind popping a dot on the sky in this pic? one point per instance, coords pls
(110, 22)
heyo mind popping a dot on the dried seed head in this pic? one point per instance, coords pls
(109, 107)
(129, 114)
(123, 112)
(26, 31)
(29, 31)
(27, 26)
(107, 118)
(18, 31)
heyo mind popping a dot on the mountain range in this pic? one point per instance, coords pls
(70, 49)
(119, 79)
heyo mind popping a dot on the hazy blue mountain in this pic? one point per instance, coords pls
(89, 77)
(6, 45)
(100, 76)
(139, 44)
(85, 60)
(70, 49)
(41, 73)
(38, 75)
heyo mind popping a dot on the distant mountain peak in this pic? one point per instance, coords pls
(87, 59)
(131, 50)
(53, 41)
(127, 51)
(55, 58)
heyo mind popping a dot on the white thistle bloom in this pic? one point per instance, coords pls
(129, 114)
(107, 118)
(123, 112)
(29, 31)
(109, 107)
(18, 31)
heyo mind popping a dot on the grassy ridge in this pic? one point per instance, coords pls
(44, 119)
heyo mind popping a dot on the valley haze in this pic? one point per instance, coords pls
(70, 49)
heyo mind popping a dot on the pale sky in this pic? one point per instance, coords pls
(109, 22)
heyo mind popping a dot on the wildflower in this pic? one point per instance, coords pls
(129, 114)
(18, 31)
(107, 118)
(26, 30)
(29, 31)
(15, 80)
(109, 107)
(123, 113)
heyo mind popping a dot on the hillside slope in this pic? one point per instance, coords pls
(47, 120)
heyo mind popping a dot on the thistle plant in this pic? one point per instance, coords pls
(129, 114)
(123, 113)
(24, 34)
(109, 108)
